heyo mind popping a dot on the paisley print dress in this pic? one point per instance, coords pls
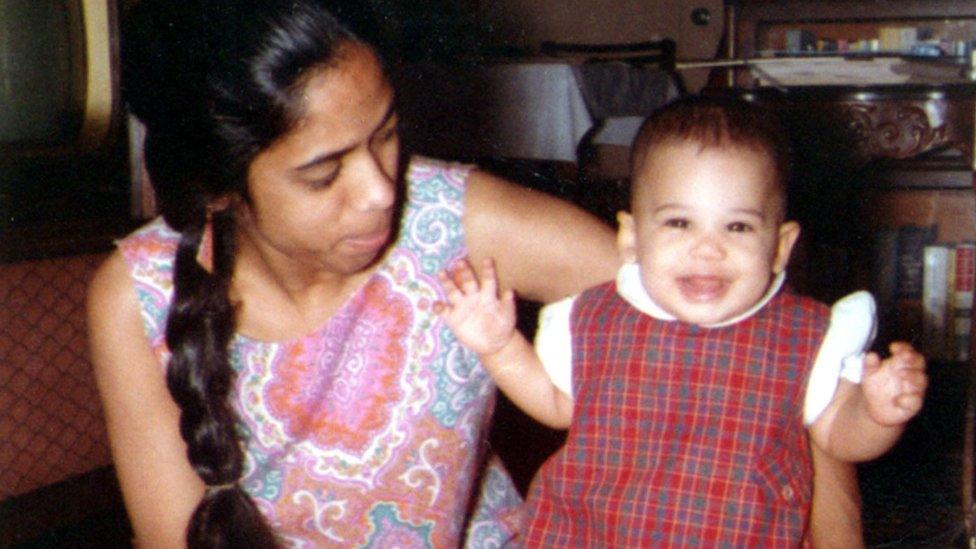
(368, 431)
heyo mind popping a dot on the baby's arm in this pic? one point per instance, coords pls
(485, 323)
(863, 421)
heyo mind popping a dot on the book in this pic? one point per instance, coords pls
(909, 268)
(950, 345)
(889, 38)
(800, 40)
(935, 301)
(884, 245)
(964, 280)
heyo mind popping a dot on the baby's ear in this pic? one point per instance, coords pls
(626, 237)
(789, 233)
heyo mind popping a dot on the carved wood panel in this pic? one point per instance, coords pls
(903, 129)
(893, 130)
(932, 125)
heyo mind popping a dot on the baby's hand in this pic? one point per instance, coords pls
(481, 320)
(894, 388)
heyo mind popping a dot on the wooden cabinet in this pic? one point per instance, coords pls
(874, 153)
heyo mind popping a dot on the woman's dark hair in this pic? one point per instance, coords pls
(215, 82)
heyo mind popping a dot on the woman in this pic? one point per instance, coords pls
(288, 291)
(270, 365)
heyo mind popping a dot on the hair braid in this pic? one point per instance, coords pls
(199, 329)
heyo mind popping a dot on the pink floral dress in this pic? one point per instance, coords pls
(368, 431)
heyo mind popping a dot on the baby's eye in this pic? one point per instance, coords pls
(676, 223)
(740, 227)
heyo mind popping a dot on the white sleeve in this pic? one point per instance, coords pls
(853, 325)
(554, 343)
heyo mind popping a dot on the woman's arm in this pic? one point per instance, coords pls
(835, 517)
(544, 248)
(159, 487)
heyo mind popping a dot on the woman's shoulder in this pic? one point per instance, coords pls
(422, 168)
(150, 253)
(146, 244)
(112, 306)
(106, 290)
(429, 178)
(430, 228)
(138, 276)
(435, 193)
(153, 239)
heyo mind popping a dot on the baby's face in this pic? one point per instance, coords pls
(706, 230)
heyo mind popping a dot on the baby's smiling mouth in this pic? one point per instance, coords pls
(702, 288)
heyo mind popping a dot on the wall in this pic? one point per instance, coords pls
(527, 23)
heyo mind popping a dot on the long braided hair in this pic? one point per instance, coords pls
(215, 82)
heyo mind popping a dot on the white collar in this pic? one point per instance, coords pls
(631, 289)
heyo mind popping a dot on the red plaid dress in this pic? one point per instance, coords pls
(682, 436)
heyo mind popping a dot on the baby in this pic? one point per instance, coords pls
(690, 384)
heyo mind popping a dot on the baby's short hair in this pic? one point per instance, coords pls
(716, 122)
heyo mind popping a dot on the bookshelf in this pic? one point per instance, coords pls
(853, 42)
(884, 163)
(904, 27)
(889, 162)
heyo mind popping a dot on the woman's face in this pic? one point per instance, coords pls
(323, 196)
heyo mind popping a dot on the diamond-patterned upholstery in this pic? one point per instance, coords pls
(51, 424)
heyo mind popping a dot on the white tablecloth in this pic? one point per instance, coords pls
(538, 111)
